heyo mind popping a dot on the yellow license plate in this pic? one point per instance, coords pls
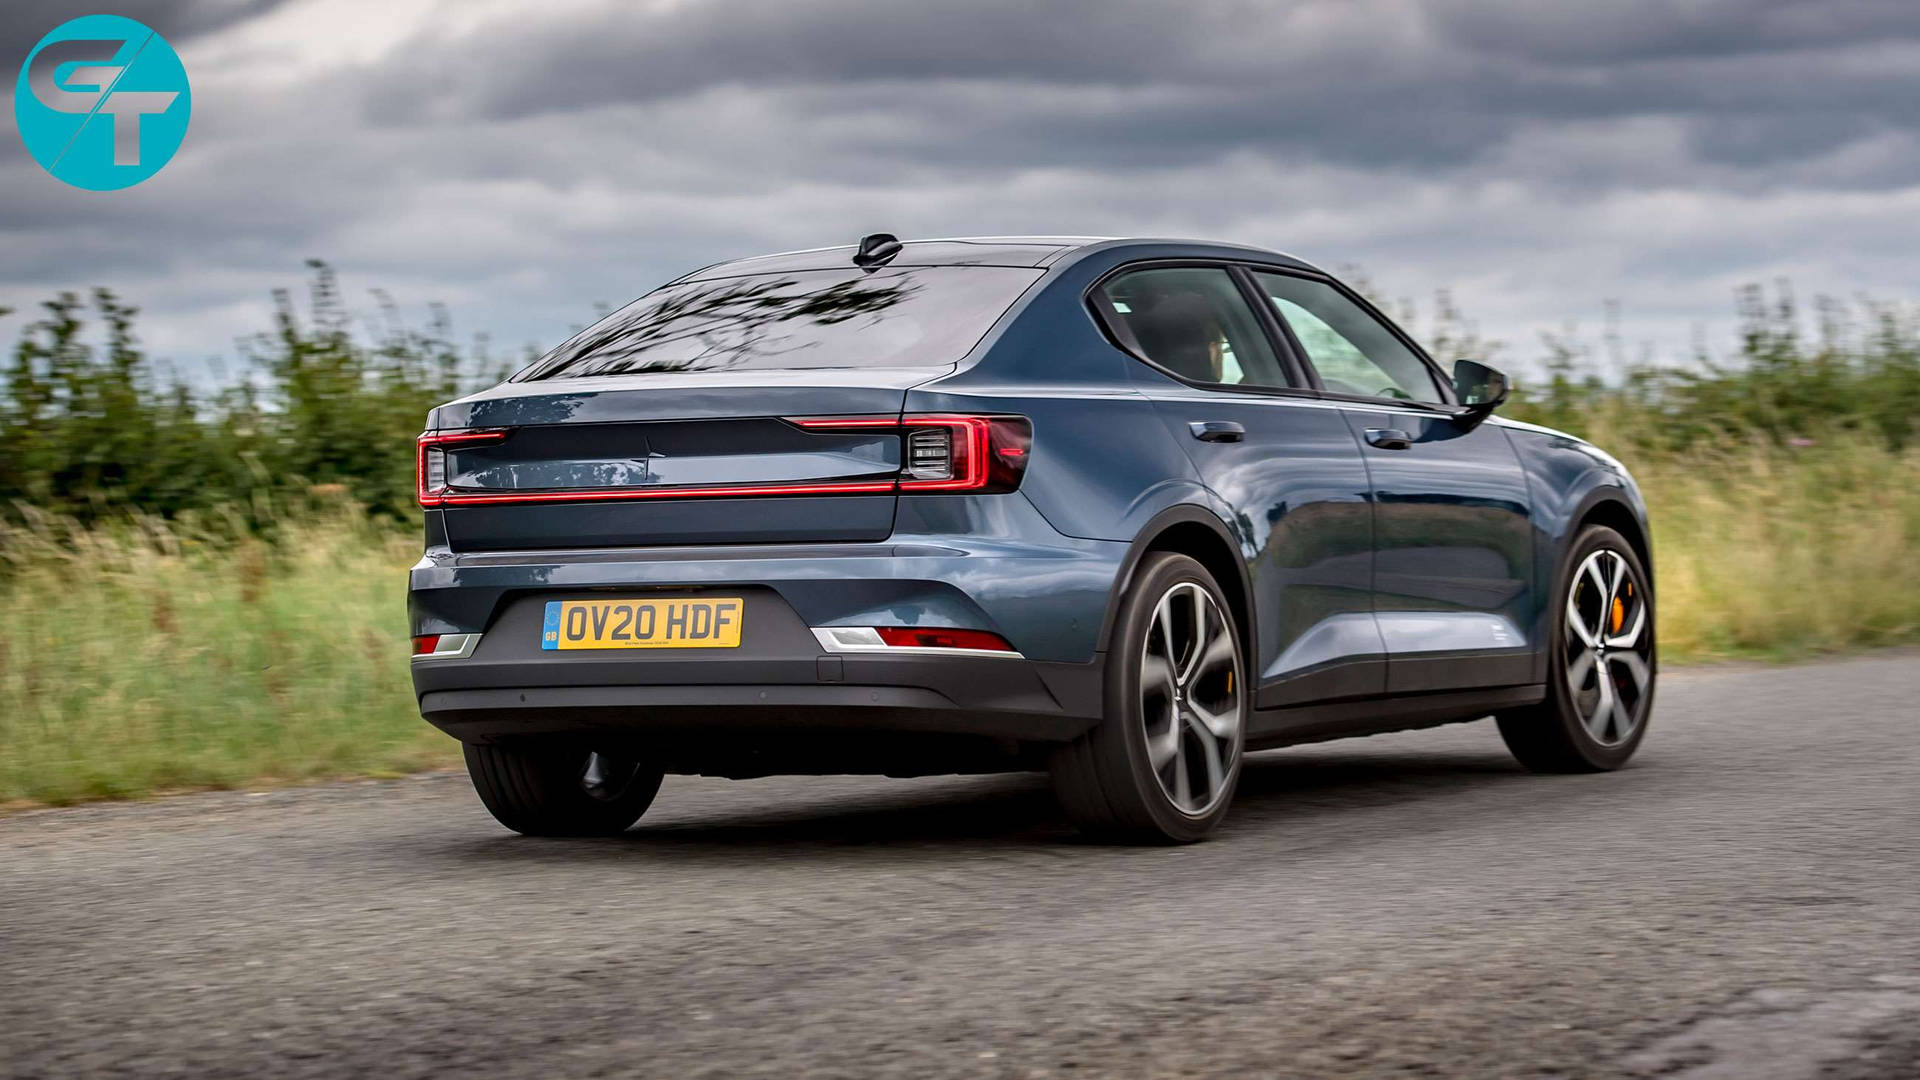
(679, 623)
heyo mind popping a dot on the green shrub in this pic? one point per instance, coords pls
(89, 426)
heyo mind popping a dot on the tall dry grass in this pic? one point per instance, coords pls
(145, 656)
(1778, 552)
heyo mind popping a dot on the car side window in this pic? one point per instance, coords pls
(1349, 348)
(1193, 321)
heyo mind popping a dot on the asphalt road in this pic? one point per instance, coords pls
(1742, 902)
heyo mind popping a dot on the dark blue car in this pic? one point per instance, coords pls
(1122, 510)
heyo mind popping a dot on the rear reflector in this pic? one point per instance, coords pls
(444, 646)
(920, 637)
(881, 640)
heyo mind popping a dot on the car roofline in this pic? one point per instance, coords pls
(1077, 246)
(1180, 246)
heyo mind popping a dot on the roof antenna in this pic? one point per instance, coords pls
(876, 249)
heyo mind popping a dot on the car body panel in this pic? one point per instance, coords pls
(968, 561)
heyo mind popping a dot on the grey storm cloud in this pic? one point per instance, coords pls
(1358, 80)
(524, 163)
(176, 20)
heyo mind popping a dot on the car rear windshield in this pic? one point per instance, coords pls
(910, 316)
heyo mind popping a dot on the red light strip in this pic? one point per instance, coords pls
(835, 423)
(846, 487)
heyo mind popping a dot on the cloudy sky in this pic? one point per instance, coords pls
(524, 162)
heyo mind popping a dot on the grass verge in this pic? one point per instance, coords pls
(1775, 554)
(145, 658)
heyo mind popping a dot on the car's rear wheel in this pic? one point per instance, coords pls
(558, 789)
(1601, 674)
(1162, 765)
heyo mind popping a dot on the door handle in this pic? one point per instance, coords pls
(1217, 430)
(1389, 438)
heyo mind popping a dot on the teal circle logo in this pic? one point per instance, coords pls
(102, 102)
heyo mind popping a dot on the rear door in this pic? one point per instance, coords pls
(1453, 548)
(1285, 468)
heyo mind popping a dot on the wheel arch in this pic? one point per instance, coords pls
(1199, 534)
(1612, 510)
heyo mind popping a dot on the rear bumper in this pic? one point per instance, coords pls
(987, 563)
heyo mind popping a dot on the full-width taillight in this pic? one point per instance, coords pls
(975, 454)
(939, 453)
(430, 460)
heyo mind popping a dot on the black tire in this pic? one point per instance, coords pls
(1554, 736)
(1105, 780)
(545, 789)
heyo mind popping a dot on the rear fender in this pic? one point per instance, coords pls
(1155, 529)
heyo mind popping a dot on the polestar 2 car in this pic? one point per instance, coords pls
(1118, 510)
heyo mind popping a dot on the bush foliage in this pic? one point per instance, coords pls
(1857, 373)
(90, 424)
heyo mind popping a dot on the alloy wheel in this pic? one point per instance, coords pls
(1609, 647)
(1190, 698)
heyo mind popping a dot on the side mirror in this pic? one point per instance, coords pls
(1480, 388)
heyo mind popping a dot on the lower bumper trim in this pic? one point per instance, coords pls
(479, 715)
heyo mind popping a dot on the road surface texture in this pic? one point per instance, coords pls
(1742, 902)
